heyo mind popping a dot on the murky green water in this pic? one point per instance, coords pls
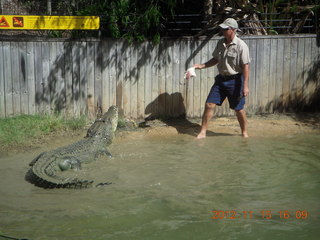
(168, 188)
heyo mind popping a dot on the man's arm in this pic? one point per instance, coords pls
(245, 72)
(210, 63)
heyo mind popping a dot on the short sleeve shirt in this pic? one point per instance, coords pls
(231, 58)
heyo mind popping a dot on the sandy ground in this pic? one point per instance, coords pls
(258, 126)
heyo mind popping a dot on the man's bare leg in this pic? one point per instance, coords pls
(207, 115)
(242, 118)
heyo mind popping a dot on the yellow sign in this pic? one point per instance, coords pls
(49, 22)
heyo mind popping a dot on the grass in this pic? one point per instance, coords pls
(25, 127)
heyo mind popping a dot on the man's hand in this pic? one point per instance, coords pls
(245, 73)
(245, 91)
(210, 63)
(199, 66)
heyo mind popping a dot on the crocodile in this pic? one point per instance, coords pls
(53, 169)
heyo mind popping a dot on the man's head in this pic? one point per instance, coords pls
(229, 28)
(229, 23)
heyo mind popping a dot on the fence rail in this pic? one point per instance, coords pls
(87, 76)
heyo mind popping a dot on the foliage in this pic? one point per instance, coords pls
(291, 11)
(130, 19)
(147, 19)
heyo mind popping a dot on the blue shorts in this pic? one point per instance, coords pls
(232, 89)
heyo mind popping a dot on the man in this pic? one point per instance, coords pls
(232, 56)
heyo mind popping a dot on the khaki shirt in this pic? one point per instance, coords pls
(232, 58)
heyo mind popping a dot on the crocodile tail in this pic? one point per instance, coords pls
(44, 183)
(36, 159)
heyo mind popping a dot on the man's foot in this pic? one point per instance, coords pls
(202, 134)
(245, 135)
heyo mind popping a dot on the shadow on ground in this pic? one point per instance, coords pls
(169, 110)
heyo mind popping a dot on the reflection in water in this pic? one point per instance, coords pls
(168, 188)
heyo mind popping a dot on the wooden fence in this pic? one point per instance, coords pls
(83, 77)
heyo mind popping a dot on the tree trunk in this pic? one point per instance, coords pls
(207, 10)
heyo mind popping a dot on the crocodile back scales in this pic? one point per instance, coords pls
(45, 172)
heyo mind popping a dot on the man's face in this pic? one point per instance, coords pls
(228, 32)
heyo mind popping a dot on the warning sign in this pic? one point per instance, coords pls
(49, 22)
(18, 22)
(3, 22)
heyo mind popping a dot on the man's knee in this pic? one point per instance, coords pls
(240, 112)
(210, 105)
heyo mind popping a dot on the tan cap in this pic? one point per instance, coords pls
(229, 23)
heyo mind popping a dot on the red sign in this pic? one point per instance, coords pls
(18, 22)
(3, 22)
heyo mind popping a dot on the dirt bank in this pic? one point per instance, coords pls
(270, 125)
(258, 126)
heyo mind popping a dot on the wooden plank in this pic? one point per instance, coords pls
(60, 104)
(293, 67)
(181, 59)
(83, 79)
(126, 79)
(120, 75)
(300, 72)
(15, 68)
(141, 65)
(31, 78)
(307, 65)
(133, 80)
(154, 82)
(179, 87)
(76, 90)
(171, 84)
(23, 78)
(90, 56)
(197, 82)
(52, 80)
(60, 76)
(286, 74)
(38, 76)
(8, 87)
(68, 79)
(259, 76)
(272, 76)
(105, 49)
(112, 46)
(187, 46)
(251, 99)
(317, 61)
(45, 103)
(265, 74)
(98, 76)
(148, 81)
(313, 78)
(293, 71)
(279, 75)
(163, 95)
(2, 84)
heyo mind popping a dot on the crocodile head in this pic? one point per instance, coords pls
(106, 125)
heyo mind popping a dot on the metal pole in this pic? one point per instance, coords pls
(49, 9)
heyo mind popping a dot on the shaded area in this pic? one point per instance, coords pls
(304, 99)
(160, 107)
(71, 76)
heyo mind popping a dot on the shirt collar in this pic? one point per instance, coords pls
(233, 42)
